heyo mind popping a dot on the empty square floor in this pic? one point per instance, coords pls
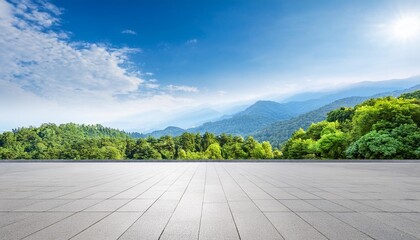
(224, 200)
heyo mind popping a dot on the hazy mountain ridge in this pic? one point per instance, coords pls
(280, 131)
(260, 116)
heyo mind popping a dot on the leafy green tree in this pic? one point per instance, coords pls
(268, 150)
(316, 130)
(258, 152)
(300, 149)
(213, 151)
(277, 154)
(195, 155)
(409, 136)
(385, 114)
(411, 95)
(333, 145)
(187, 141)
(234, 150)
(144, 150)
(182, 154)
(166, 147)
(110, 152)
(374, 145)
(207, 140)
(340, 115)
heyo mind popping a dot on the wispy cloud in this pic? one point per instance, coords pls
(47, 63)
(129, 31)
(47, 77)
(191, 41)
(182, 88)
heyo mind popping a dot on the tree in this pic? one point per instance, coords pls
(340, 115)
(213, 151)
(233, 150)
(110, 152)
(277, 154)
(300, 149)
(411, 95)
(268, 150)
(144, 150)
(187, 141)
(182, 154)
(375, 145)
(166, 147)
(333, 145)
(384, 114)
(207, 140)
(409, 136)
(316, 130)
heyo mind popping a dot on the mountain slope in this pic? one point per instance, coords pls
(169, 131)
(261, 114)
(256, 117)
(279, 132)
(363, 89)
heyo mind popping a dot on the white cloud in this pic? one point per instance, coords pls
(182, 88)
(129, 31)
(152, 85)
(46, 63)
(192, 41)
(47, 77)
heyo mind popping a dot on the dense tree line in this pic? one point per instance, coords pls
(381, 128)
(72, 141)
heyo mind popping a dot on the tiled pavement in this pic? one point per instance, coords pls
(209, 201)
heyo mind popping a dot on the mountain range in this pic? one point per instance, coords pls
(275, 122)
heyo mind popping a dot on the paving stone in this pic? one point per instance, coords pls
(354, 205)
(415, 217)
(209, 200)
(7, 218)
(328, 206)
(292, 227)
(137, 205)
(152, 223)
(331, 227)
(372, 227)
(217, 223)
(270, 206)
(398, 222)
(107, 206)
(69, 227)
(299, 206)
(76, 205)
(251, 222)
(43, 205)
(185, 221)
(31, 224)
(111, 227)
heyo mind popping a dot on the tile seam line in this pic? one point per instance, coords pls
(256, 205)
(202, 202)
(163, 230)
(283, 204)
(334, 218)
(227, 201)
(180, 175)
(69, 217)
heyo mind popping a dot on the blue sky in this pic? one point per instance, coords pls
(140, 65)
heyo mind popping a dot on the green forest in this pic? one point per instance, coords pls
(72, 141)
(379, 128)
